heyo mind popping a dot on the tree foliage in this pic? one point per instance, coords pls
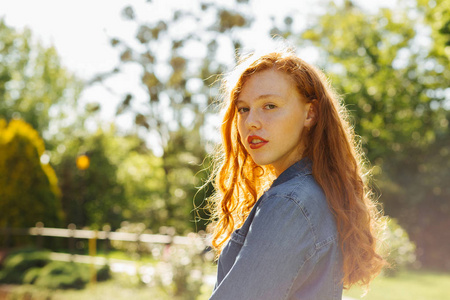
(124, 180)
(32, 80)
(92, 196)
(437, 16)
(29, 190)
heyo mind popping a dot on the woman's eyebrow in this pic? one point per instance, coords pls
(260, 97)
(269, 96)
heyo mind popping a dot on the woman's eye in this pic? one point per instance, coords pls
(242, 110)
(270, 106)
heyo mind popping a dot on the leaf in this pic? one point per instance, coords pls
(92, 107)
(229, 19)
(114, 42)
(178, 63)
(150, 80)
(126, 55)
(128, 13)
(145, 34)
(141, 120)
(125, 104)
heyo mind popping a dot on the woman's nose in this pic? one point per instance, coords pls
(253, 119)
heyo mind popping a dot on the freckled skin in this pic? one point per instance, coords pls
(269, 106)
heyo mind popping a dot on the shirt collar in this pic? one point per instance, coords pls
(302, 167)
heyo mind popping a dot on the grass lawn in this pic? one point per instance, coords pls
(103, 290)
(121, 287)
(412, 285)
(407, 285)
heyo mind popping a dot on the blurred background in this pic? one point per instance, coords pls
(108, 111)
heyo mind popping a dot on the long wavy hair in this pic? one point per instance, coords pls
(336, 165)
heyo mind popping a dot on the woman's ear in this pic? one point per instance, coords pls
(311, 116)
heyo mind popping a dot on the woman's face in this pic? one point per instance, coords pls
(272, 116)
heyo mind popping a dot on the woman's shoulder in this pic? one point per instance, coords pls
(303, 196)
(302, 189)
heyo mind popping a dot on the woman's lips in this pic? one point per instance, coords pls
(256, 142)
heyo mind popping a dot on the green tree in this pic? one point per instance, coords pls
(91, 195)
(123, 181)
(437, 16)
(29, 190)
(435, 168)
(32, 81)
(141, 175)
(394, 88)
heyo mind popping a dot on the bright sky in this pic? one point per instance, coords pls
(78, 29)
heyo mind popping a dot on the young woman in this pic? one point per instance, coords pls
(294, 219)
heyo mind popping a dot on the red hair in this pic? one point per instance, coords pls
(336, 162)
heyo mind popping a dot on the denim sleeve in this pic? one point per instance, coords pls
(276, 251)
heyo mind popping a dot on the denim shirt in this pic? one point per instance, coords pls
(287, 248)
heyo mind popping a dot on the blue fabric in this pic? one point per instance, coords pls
(287, 248)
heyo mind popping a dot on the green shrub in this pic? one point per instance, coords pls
(25, 181)
(63, 275)
(104, 273)
(33, 266)
(31, 275)
(398, 248)
(19, 262)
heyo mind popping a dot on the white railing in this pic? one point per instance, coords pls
(40, 230)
